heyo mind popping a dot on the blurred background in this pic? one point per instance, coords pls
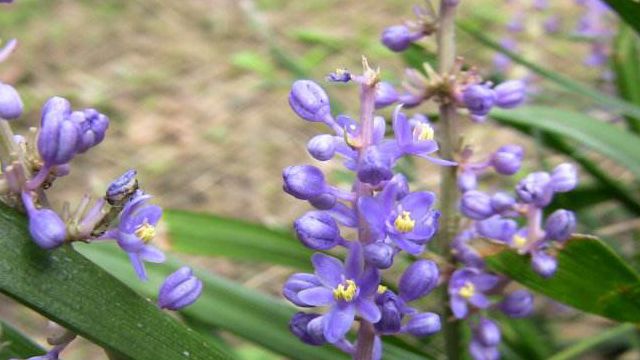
(196, 91)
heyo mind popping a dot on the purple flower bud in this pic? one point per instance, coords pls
(295, 284)
(179, 290)
(391, 313)
(376, 166)
(322, 147)
(398, 37)
(501, 201)
(418, 280)
(479, 351)
(423, 324)
(324, 202)
(535, 189)
(379, 255)
(410, 100)
(544, 264)
(317, 230)
(309, 101)
(401, 185)
(510, 94)
(303, 181)
(122, 188)
(467, 181)
(386, 94)
(46, 228)
(59, 135)
(564, 178)
(497, 228)
(10, 102)
(340, 75)
(517, 304)
(476, 205)
(487, 332)
(478, 99)
(92, 126)
(507, 160)
(307, 328)
(560, 225)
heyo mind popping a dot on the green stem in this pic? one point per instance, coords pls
(448, 189)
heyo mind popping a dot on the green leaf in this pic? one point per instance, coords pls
(211, 235)
(560, 79)
(226, 305)
(590, 277)
(586, 344)
(14, 344)
(69, 289)
(626, 64)
(628, 10)
(416, 55)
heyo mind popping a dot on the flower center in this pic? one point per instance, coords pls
(146, 232)
(423, 132)
(519, 241)
(346, 293)
(382, 289)
(468, 290)
(404, 223)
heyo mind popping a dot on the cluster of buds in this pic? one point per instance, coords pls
(387, 216)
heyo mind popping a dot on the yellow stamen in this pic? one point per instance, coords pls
(404, 223)
(146, 232)
(468, 290)
(519, 241)
(382, 289)
(424, 132)
(345, 293)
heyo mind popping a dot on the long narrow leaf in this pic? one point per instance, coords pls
(14, 344)
(628, 10)
(588, 343)
(626, 64)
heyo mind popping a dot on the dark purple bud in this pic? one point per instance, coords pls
(46, 228)
(122, 188)
(478, 99)
(418, 280)
(497, 227)
(324, 202)
(303, 181)
(386, 94)
(376, 166)
(59, 135)
(517, 304)
(543, 263)
(391, 313)
(487, 332)
(309, 101)
(307, 328)
(564, 178)
(379, 255)
(423, 324)
(340, 75)
(10, 102)
(560, 225)
(467, 181)
(535, 189)
(501, 201)
(476, 205)
(297, 283)
(398, 37)
(510, 94)
(179, 290)
(322, 147)
(508, 159)
(317, 230)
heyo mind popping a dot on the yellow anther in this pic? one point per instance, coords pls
(519, 241)
(404, 223)
(345, 293)
(382, 289)
(468, 290)
(424, 132)
(146, 232)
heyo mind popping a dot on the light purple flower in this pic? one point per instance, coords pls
(45, 226)
(179, 290)
(11, 105)
(399, 37)
(467, 286)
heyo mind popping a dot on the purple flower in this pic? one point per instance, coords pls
(480, 351)
(560, 225)
(11, 106)
(468, 286)
(92, 127)
(386, 94)
(507, 160)
(179, 290)
(487, 332)
(379, 255)
(409, 222)
(45, 226)
(122, 187)
(517, 304)
(536, 189)
(476, 205)
(544, 264)
(309, 101)
(423, 324)
(497, 227)
(418, 280)
(322, 147)
(467, 180)
(510, 94)
(501, 202)
(346, 288)
(375, 166)
(392, 310)
(398, 37)
(478, 99)
(303, 181)
(564, 178)
(59, 135)
(308, 328)
(295, 284)
(136, 230)
(317, 230)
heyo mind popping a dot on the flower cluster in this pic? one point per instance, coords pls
(387, 216)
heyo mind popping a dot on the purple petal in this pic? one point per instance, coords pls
(406, 244)
(401, 127)
(179, 292)
(355, 261)
(138, 266)
(421, 147)
(188, 299)
(484, 282)
(373, 212)
(152, 254)
(368, 310)
(418, 203)
(338, 321)
(328, 270)
(480, 300)
(459, 307)
(369, 281)
(437, 161)
(317, 296)
(149, 214)
(379, 127)
(344, 215)
(174, 280)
